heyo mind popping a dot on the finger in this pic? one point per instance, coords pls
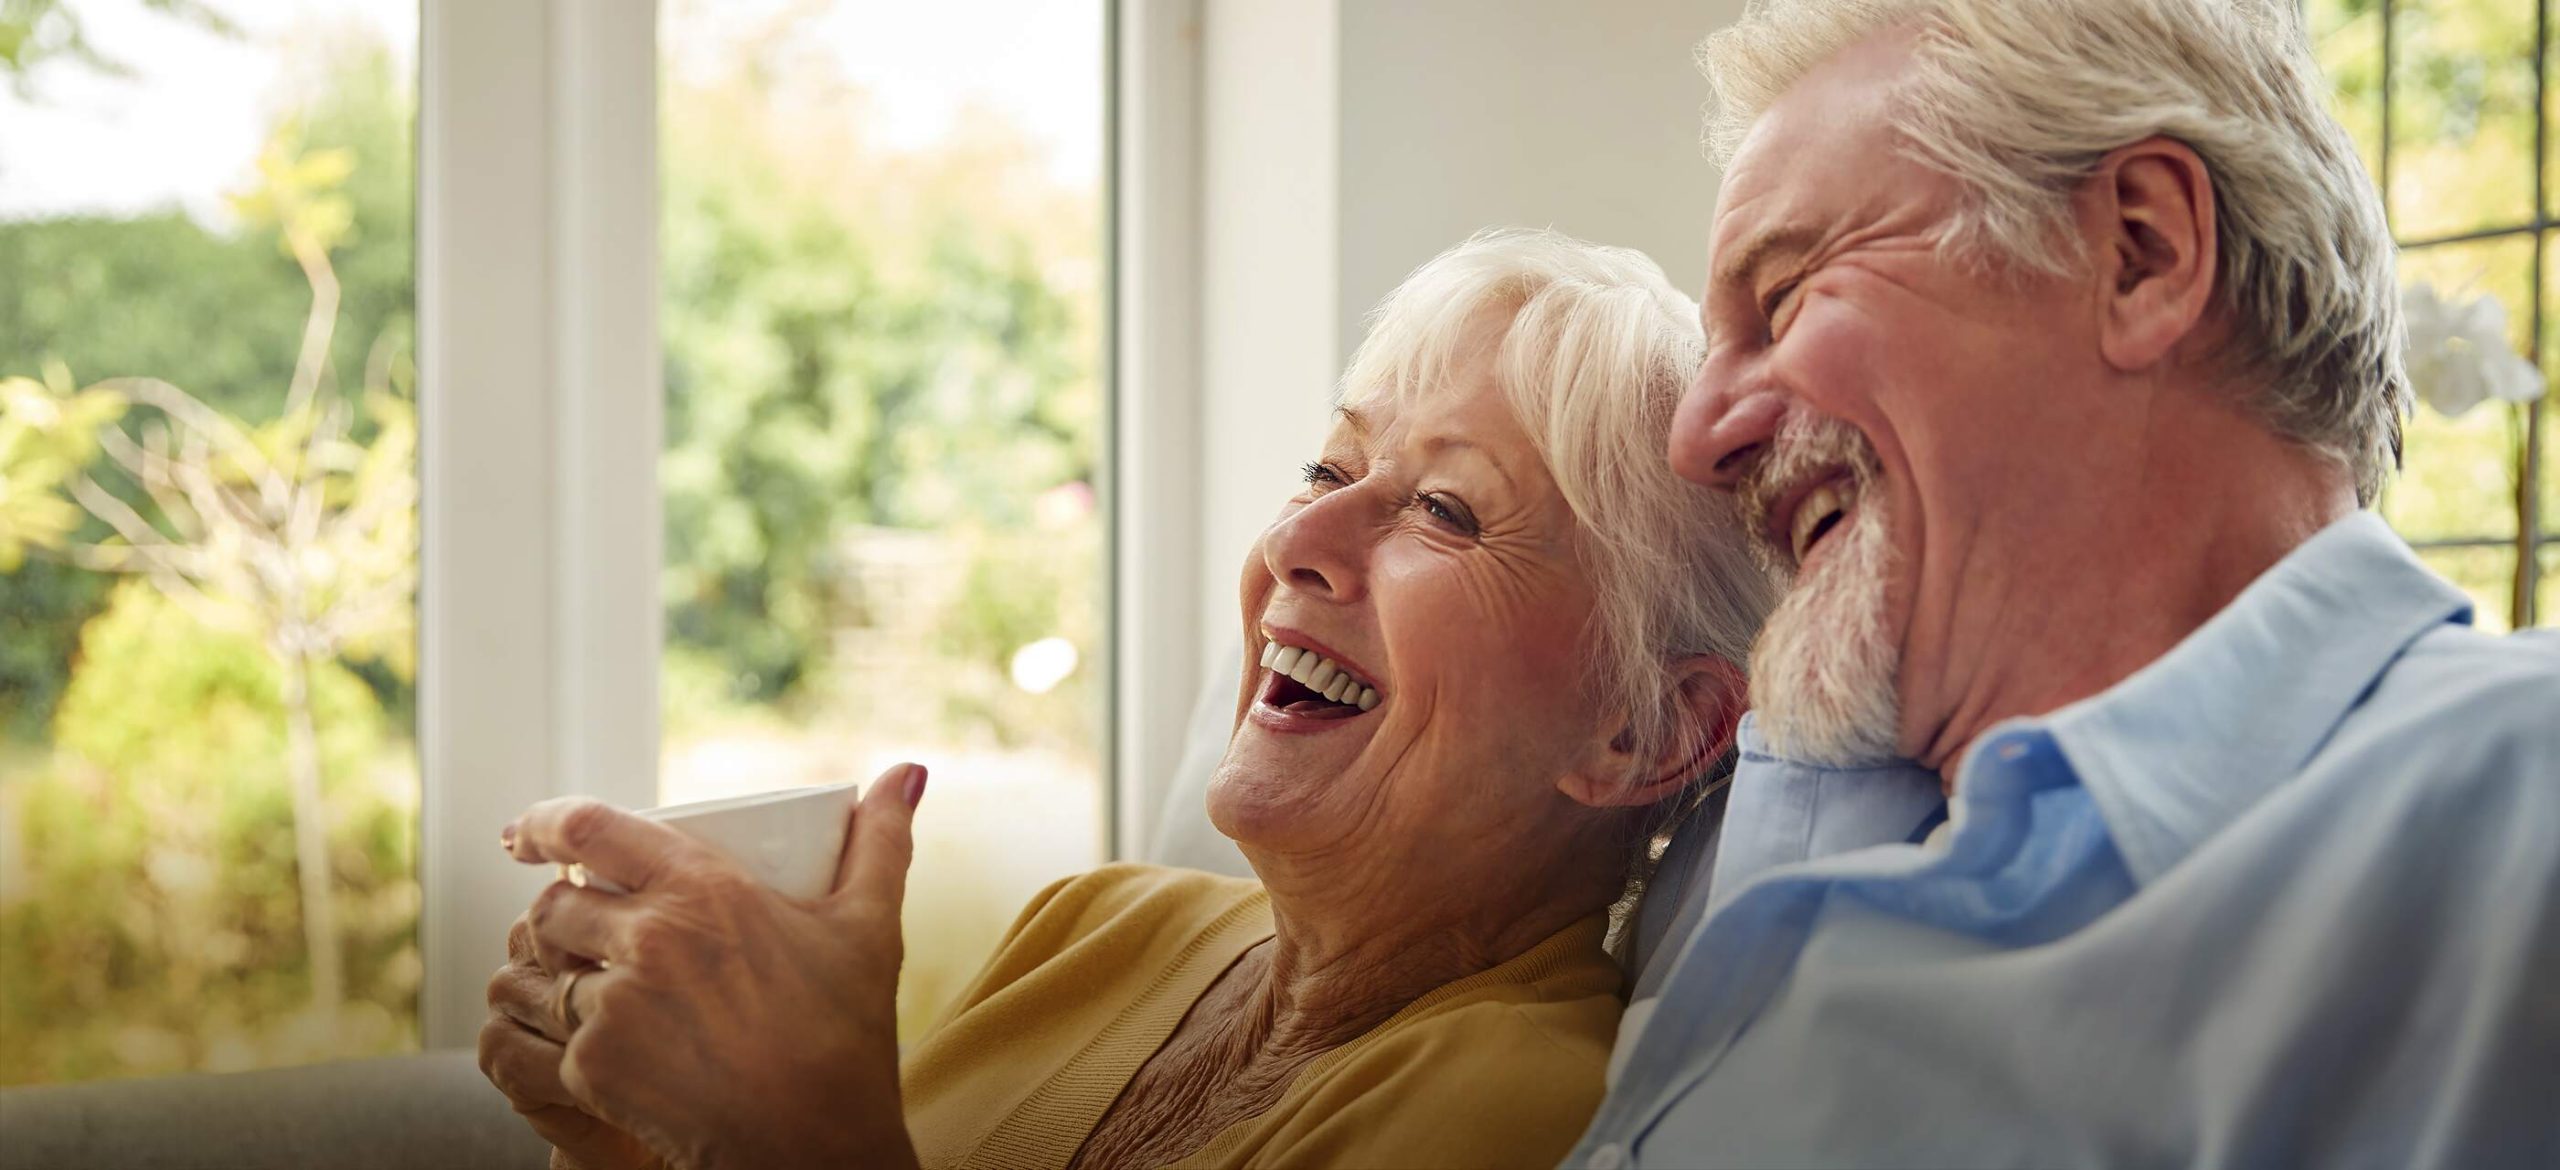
(520, 941)
(584, 997)
(522, 993)
(628, 850)
(523, 1065)
(880, 844)
(577, 927)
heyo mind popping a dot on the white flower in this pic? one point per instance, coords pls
(2458, 355)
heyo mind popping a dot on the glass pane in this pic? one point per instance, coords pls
(2551, 123)
(2462, 94)
(882, 246)
(2547, 594)
(208, 518)
(2458, 478)
(2549, 472)
(2346, 37)
(2487, 574)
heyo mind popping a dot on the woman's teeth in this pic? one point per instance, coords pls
(1318, 673)
(1820, 504)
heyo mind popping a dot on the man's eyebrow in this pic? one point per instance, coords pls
(1738, 266)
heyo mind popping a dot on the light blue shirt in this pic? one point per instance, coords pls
(2289, 895)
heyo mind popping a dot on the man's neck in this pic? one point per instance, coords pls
(2207, 514)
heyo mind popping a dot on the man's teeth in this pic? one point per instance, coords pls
(1318, 673)
(1818, 503)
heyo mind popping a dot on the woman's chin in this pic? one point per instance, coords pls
(1260, 805)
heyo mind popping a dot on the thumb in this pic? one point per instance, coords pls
(880, 843)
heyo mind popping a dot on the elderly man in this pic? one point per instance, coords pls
(2053, 350)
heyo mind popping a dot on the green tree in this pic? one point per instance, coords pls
(220, 312)
(853, 340)
(160, 930)
(292, 532)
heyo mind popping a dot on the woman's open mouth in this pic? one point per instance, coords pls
(1303, 684)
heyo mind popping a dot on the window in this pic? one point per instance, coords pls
(881, 241)
(2450, 102)
(208, 519)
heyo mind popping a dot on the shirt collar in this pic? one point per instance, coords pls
(1786, 811)
(1778, 812)
(2184, 745)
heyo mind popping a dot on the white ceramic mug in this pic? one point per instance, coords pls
(790, 839)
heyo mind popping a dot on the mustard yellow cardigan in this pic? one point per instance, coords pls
(1503, 1068)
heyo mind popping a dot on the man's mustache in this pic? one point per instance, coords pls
(1805, 447)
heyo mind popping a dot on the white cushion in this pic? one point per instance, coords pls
(1184, 837)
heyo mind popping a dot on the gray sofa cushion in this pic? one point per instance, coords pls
(431, 1111)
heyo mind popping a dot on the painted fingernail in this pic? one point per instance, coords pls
(507, 837)
(915, 784)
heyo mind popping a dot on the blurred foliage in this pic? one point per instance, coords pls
(1020, 587)
(219, 311)
(861, 339)
(159, 910)
(162, 931)
(48, 433)
(2461, 148)
(35, 33)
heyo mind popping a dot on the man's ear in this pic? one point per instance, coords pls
(1712, 697)
(2147, 216)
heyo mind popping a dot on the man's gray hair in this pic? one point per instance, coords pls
(2018, 100)
(1594, 348)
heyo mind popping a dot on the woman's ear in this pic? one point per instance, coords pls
(1712, 696)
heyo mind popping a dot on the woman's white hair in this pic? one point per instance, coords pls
(1594, 349)
(2017, 100)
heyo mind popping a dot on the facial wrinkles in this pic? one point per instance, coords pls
(1512, 570)
(1500, 572)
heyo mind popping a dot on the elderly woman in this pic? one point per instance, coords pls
(1494, 645)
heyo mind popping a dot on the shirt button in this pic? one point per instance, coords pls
(1609, 1157)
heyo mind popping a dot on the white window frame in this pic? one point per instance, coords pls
(540, 405)
(1155, 464)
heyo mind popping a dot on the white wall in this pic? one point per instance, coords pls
(1464, 114)
(1270, 293)
(1344, 143)
(1339, 143)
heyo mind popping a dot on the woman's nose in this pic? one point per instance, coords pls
(1318, 548)
(1719, 432)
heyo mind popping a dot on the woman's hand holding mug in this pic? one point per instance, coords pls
(700, 1015)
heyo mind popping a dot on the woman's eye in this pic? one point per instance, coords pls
(1447, 510)
(1324, 476)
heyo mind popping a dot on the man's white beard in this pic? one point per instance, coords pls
(1823, 670)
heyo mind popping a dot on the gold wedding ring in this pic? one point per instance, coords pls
(563, 1007)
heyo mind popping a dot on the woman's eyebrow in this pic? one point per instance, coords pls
(1452, 442)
